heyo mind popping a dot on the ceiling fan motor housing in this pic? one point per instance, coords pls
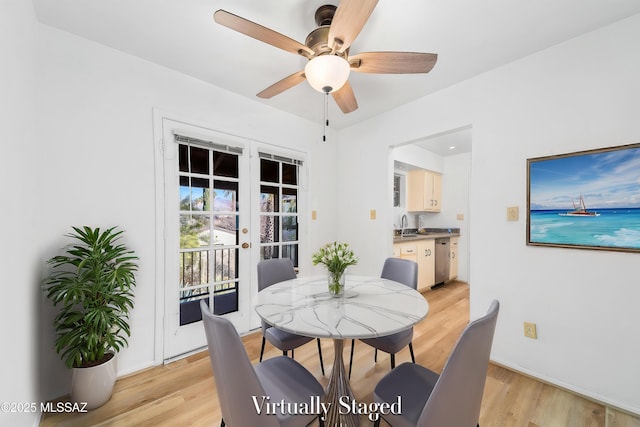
(324, 15)
(318, 39)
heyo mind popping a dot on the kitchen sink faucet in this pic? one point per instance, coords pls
(403, 221)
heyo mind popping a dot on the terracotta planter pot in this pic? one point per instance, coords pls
(94, 385)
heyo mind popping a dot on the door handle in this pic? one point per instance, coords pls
(245, 245)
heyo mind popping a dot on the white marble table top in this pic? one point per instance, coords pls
(371, 307)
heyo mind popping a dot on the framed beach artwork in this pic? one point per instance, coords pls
(585, 200)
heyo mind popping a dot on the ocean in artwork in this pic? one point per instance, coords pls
(613, 228)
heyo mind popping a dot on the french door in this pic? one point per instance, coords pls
(217, 189)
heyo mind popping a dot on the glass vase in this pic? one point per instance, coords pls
(336, 284)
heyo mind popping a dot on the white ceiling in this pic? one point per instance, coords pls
(470, 37)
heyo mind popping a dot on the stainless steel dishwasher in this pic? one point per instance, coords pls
(442, 260)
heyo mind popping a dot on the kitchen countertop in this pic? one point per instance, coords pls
(427, 234)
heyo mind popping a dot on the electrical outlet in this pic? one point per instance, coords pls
(530, 330)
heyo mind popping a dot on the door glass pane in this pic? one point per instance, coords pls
(291, 252)
(269, 252)
(225, 164)
(289, 228)
(185, 194)
(268, 199)
(199, 160)
(269, 231)
(195, 231)
(225, 230)
(289, 174)
(225, 262)
(183, 158)
(194, 268)
(200, 195)
(289, 200)
(225, 195)
(269, 171)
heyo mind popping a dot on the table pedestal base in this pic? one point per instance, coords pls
(339, 389)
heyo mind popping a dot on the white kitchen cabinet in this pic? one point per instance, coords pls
(423, 253)
(453, 258)
(424, 191)
(408, 250)
(426, 264)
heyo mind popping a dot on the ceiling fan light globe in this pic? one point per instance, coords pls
(327, 73)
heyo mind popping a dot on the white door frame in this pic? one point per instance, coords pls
(251, 146)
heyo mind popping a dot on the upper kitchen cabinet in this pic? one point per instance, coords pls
(424, 191)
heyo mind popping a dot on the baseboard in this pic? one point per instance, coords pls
(568, 388)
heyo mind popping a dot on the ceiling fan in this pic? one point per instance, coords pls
(327, 49)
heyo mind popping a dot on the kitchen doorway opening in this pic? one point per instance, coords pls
(448, 154)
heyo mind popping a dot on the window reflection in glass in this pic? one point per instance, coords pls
(289, 228)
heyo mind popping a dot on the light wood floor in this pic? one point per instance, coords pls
(183, 393)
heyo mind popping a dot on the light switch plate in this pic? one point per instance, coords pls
(512, 213)
(530, 330)
(372, 214)
(460, 217)
(314, 215)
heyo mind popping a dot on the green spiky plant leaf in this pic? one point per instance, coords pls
(92, 284)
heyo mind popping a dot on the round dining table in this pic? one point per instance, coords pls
(370, 307)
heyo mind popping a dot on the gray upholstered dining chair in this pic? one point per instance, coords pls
(272, 271)
(237, 381)
(452, 398)
(404, 271)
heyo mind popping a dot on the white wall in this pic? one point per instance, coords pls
(19, 192)
(579, 95)
(94, 114)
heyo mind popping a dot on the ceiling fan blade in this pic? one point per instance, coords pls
(393, 62)
(350, 17)
(259, 32)
(282, 85)
(345, 98)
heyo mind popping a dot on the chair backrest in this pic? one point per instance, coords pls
(274, 270)
(401, 270)
(457, 395)
(235, 378)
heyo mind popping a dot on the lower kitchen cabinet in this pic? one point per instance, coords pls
(453, 258)
(426, 264)
(407, 250)
(423, 253)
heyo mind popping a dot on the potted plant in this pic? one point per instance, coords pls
(336, 257)
(92, 283)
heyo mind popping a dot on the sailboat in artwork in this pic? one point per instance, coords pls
(580, 210)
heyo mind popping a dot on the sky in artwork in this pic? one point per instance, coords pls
(609, 179)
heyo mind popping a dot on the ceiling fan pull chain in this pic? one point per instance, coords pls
(326, 117)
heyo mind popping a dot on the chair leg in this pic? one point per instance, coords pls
(320, 354)
(353, 343)
(413, 358)
(221, 422)
(375, 356)
(262, 347)
(292, 355)
(284, 352)
(393, 361)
